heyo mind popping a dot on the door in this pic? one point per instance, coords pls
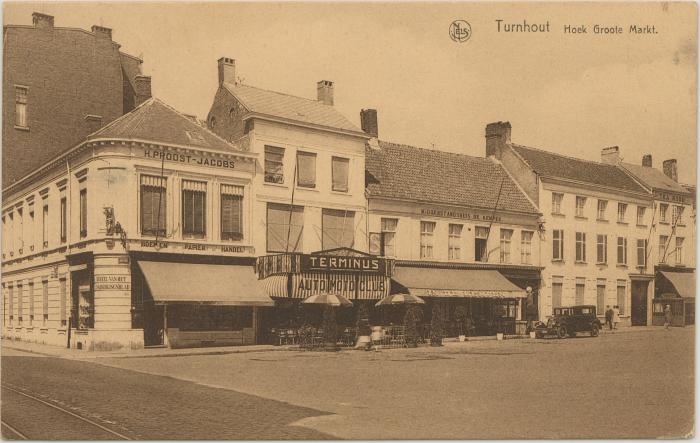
(153, 322)
(639, 302)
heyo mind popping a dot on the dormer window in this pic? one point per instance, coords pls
(212, 122)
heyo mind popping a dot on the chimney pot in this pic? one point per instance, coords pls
(610, 155)
(646, 161)
(324, 90)
(142, 89)
(227, 70)
(42, 20)
(497, 136)
(101, 31)
(671, 169)
(368, 120)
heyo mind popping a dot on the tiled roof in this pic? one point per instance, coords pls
(585, 171)
(289, 107)
(654, 178)
(157, 122)
(425, 175)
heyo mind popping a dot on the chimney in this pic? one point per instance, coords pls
(227, 70)
(142, 89)
(646, 160)
(497, 136)
(101, 31)
(94, 122)
(671, 169)
(368, 120)
(42, 20)
(610, 155)
(324, 90)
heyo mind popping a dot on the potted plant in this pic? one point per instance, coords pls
(499, 331)
(411, 320)
(362, 325)
(330, 329)
(437, 325)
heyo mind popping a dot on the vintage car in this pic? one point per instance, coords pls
(568, 321)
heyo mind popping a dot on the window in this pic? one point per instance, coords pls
(663, 245)
(621, 250)
(45, 226)
(340, 170)
(556, 202)
(285, 228)
(306, 169)
(83, 213)
(640, 214)
(557, 244)
(11, 301)
(231, 212)
(677, 215)
(621, 212)
(21, 115)
(557, 289)
(679, 250)
(32, 228)
(389, 226)
(641, 252)
(274, 172)
(212, 122)
(45, 301)
(454, 242)
(338, 228)
(426, 239)
(663, 212)
(20, 229)
(580, 206)
(602, 207)
(580, 290)
(621, 299)
(31, 303)
(481, 236)
(63, 294)
(602, 249)
(526, 247)
(11, 232)
(153, 205)
(64, 220)
(581, 247)
(600, 296)
(20, 304)
(506, 235)
(194, 195)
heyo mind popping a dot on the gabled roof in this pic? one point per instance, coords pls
(157, 122)
(653, 178)
(303, 110)
(408, 173)
(549, 164)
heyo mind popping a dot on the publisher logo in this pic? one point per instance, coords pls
(460, 31)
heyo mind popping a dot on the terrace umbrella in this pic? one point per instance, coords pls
(400, 299)
(328, 299)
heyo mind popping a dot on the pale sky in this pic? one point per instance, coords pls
(571, 94)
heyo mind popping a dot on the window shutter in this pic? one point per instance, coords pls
(340, 169)
(306, 169)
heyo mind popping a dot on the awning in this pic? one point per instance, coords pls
(683, 282)
(469, 283)
(226, 285)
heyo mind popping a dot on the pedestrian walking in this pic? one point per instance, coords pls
(616, 316)
(608, 317)
(668, 316)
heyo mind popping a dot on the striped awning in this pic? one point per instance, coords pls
(466, 283)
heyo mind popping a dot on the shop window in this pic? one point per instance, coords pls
(427, 230)
(557, 290)
(389, 226)
(641, 210)
(340, 171)
(454, 242)
(621, 298)
(231, 212)
(63, 302)
(621, 212)
(641, 253)
(602, 208)
(306, 169)
(557, 245)
(602, 249)
(45, 226)
(481, 236)
(85, 307)
(21, 104)
(621, 250)
(45, 302)
(83, 213)
(600, 296)
(581, 247)
(663, 212)
(285, 228)
(64, 220)
(153, 205)
(274, 172)
(580, 291)
(338, 229)
(20, 304)
(505, 240)
(679, 250)
(580, 206)
(194, 195)
(557, 200)
(30, 288)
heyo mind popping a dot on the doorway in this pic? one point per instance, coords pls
(639, 302)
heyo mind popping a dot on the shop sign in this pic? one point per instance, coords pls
(189, 159)
(459, 214)
(112, 283)
(333, 263)
(350, 286)
(669, 197)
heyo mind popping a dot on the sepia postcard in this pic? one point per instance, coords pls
(348, 220)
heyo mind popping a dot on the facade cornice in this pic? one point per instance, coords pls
(584, 185)
(380, 199)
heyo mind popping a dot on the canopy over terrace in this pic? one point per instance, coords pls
(464, 283)
(682, 282)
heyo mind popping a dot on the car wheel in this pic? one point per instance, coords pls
(561, 332)
(539, 335)
(594, 331)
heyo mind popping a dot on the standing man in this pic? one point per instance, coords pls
(616, 316)
(608, 317)
(668, 316)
